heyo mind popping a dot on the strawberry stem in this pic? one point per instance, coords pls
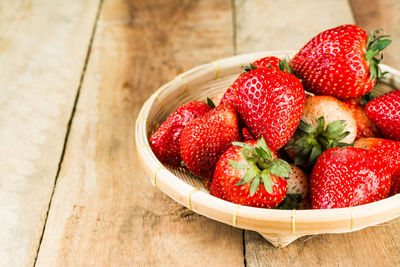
(376, 44)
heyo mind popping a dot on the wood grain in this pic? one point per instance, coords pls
(105, 211)
(43, 46)
(381, 14)
(374, 246)
(263, 25)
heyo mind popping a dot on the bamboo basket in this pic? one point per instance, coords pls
(280, 227)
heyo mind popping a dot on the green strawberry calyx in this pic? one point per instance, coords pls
(249, 68)
(291, 201)
(260, 164)
(375, 44)
(286, 65)
(367, 98)
(210, 103)
(309, 142)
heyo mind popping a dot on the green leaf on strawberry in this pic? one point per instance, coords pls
(375, 45)
(290, 202)
(238, 165)
(266, 178)
(210, 103)
(310, 142)
(249, 68)
(260, 165)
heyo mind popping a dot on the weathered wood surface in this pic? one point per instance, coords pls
(381, 14)
(104, 211)
(291, 27)
(263, 25)
(43, 46)
(374, 246)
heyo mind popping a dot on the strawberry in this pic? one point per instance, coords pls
(341, 62)
(297, 189)
(272, 62)
(216, 99)
(206, 138)
(325, 123)
(384, 111)
(250, 174)
(231, 91)
(265, 62)
(297, 182)
(346, 177)
(165, 140)
(389, 151)
(246, 134)
(365, 127)
(270, 103)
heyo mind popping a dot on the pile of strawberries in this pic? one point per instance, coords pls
(266, 143)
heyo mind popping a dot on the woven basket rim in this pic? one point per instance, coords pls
(189, 196)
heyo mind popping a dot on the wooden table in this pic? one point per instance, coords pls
(73, 77)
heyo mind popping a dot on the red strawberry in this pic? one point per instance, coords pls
(340, 62)
(270, 103)
(384, 111)
(231, 91)
(389, 151)
(272, 62)
(365, 127)
(346, 177)
(207, 137)
(265, 62)
(249, 174)
(246, 134)
(325, 123)
(165, 141)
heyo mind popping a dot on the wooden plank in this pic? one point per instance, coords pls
(43, 46)
(263, 25)
(104, 211)
(375, 246)
(382, 14)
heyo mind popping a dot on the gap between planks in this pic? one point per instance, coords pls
(89, 49)
(234, 27)
(234, 41)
